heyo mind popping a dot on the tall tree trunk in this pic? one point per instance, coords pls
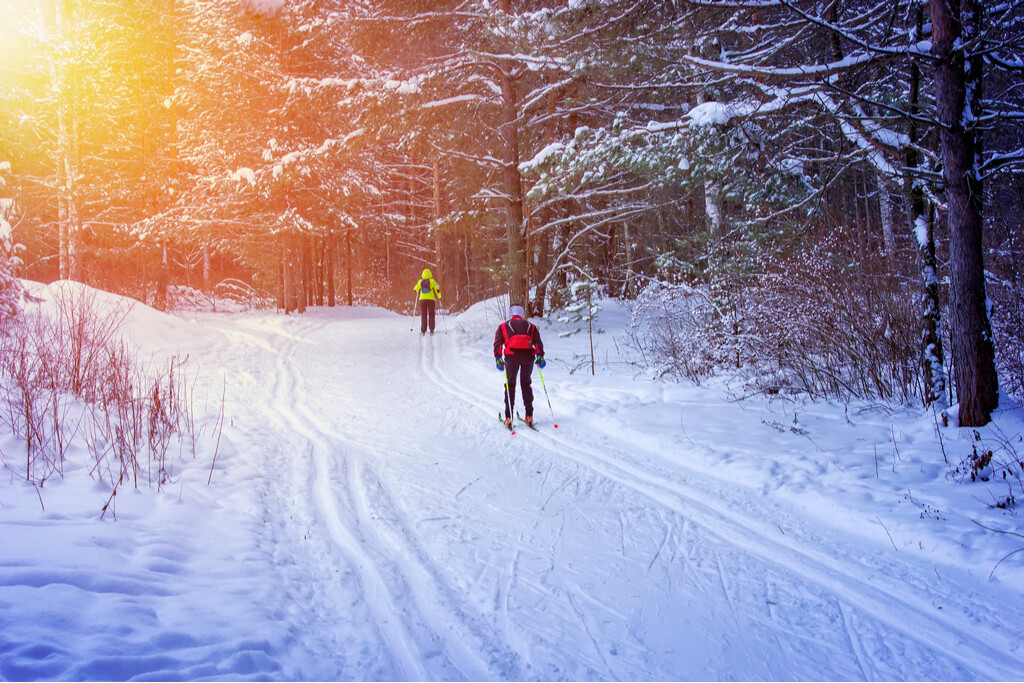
(932, 367)
(282, 286)
(206, 266)
(958, 86)
(715, 212)
(348, 264)
(611, 250)
(439, 251)
(468, 260)
(518, 276)
(628, 288)
(64, 80)
(543, 263)
(62, 228)
(885, 213)
(921, 218)
(330, 249)
(512, 180)
(302, 271)
(545, 216)
(162, 276)
(291, 273)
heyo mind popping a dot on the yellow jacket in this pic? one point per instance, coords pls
(433, 290)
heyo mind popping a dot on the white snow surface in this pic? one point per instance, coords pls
(712, 113)
(369, 518)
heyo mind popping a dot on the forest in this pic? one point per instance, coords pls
(817, 196)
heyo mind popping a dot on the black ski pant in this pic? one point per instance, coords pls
(519, 366)
(427, 315)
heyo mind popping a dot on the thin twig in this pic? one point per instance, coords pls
(1000, 531)
(888, 534)
(683, 429)
(942, 443)
(1003, 558)
(220, 429)
(109, 505)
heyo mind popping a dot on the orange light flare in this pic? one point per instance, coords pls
(38, 35)
(18, 46)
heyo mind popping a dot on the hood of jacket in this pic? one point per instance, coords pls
(426, 275)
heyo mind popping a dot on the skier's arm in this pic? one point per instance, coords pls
(499, 341)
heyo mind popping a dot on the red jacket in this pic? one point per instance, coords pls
(516, 331)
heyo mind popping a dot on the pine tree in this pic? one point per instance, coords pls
(11, 289)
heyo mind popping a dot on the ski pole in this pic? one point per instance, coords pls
(508, 395)
(541, 375)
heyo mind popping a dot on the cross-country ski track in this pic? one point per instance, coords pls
(575, 553)
(368, 518)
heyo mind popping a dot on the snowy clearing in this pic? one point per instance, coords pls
(369, 518)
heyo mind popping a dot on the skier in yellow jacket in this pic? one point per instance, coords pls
(430, 297)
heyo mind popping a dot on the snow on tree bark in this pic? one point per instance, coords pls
(885, 213)
(955, 23)
(67, 143)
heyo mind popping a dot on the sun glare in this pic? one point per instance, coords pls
(10, 10)
(23, 34)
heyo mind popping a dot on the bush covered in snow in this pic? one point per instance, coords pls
(815, 323)
(11, 290)
(228, 296)
(69, 382)
(1008, 328)
(675, 329)
(1005, 284)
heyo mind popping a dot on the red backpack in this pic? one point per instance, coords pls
(517, 342)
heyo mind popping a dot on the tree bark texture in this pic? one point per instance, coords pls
(67, 146)
(348, 265)
(509, 134)
(957, 94)
(330, 248)
(885, 215)
(921, 223)
(513, 191)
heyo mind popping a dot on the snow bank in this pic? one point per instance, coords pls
(143, 327)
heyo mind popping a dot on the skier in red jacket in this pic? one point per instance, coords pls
(516, 344)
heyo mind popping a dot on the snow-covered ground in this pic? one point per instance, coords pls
(369, 518)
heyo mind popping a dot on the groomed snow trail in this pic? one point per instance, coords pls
(415, 538)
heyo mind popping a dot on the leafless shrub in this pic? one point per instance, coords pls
(83, 334)
(37, 408)
(1008, 329)
(816, 324)
(674, 329)
(243, 294)
(836, 329)
(69, 375)
(183, 298)
(497, 308)
(994, 458)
